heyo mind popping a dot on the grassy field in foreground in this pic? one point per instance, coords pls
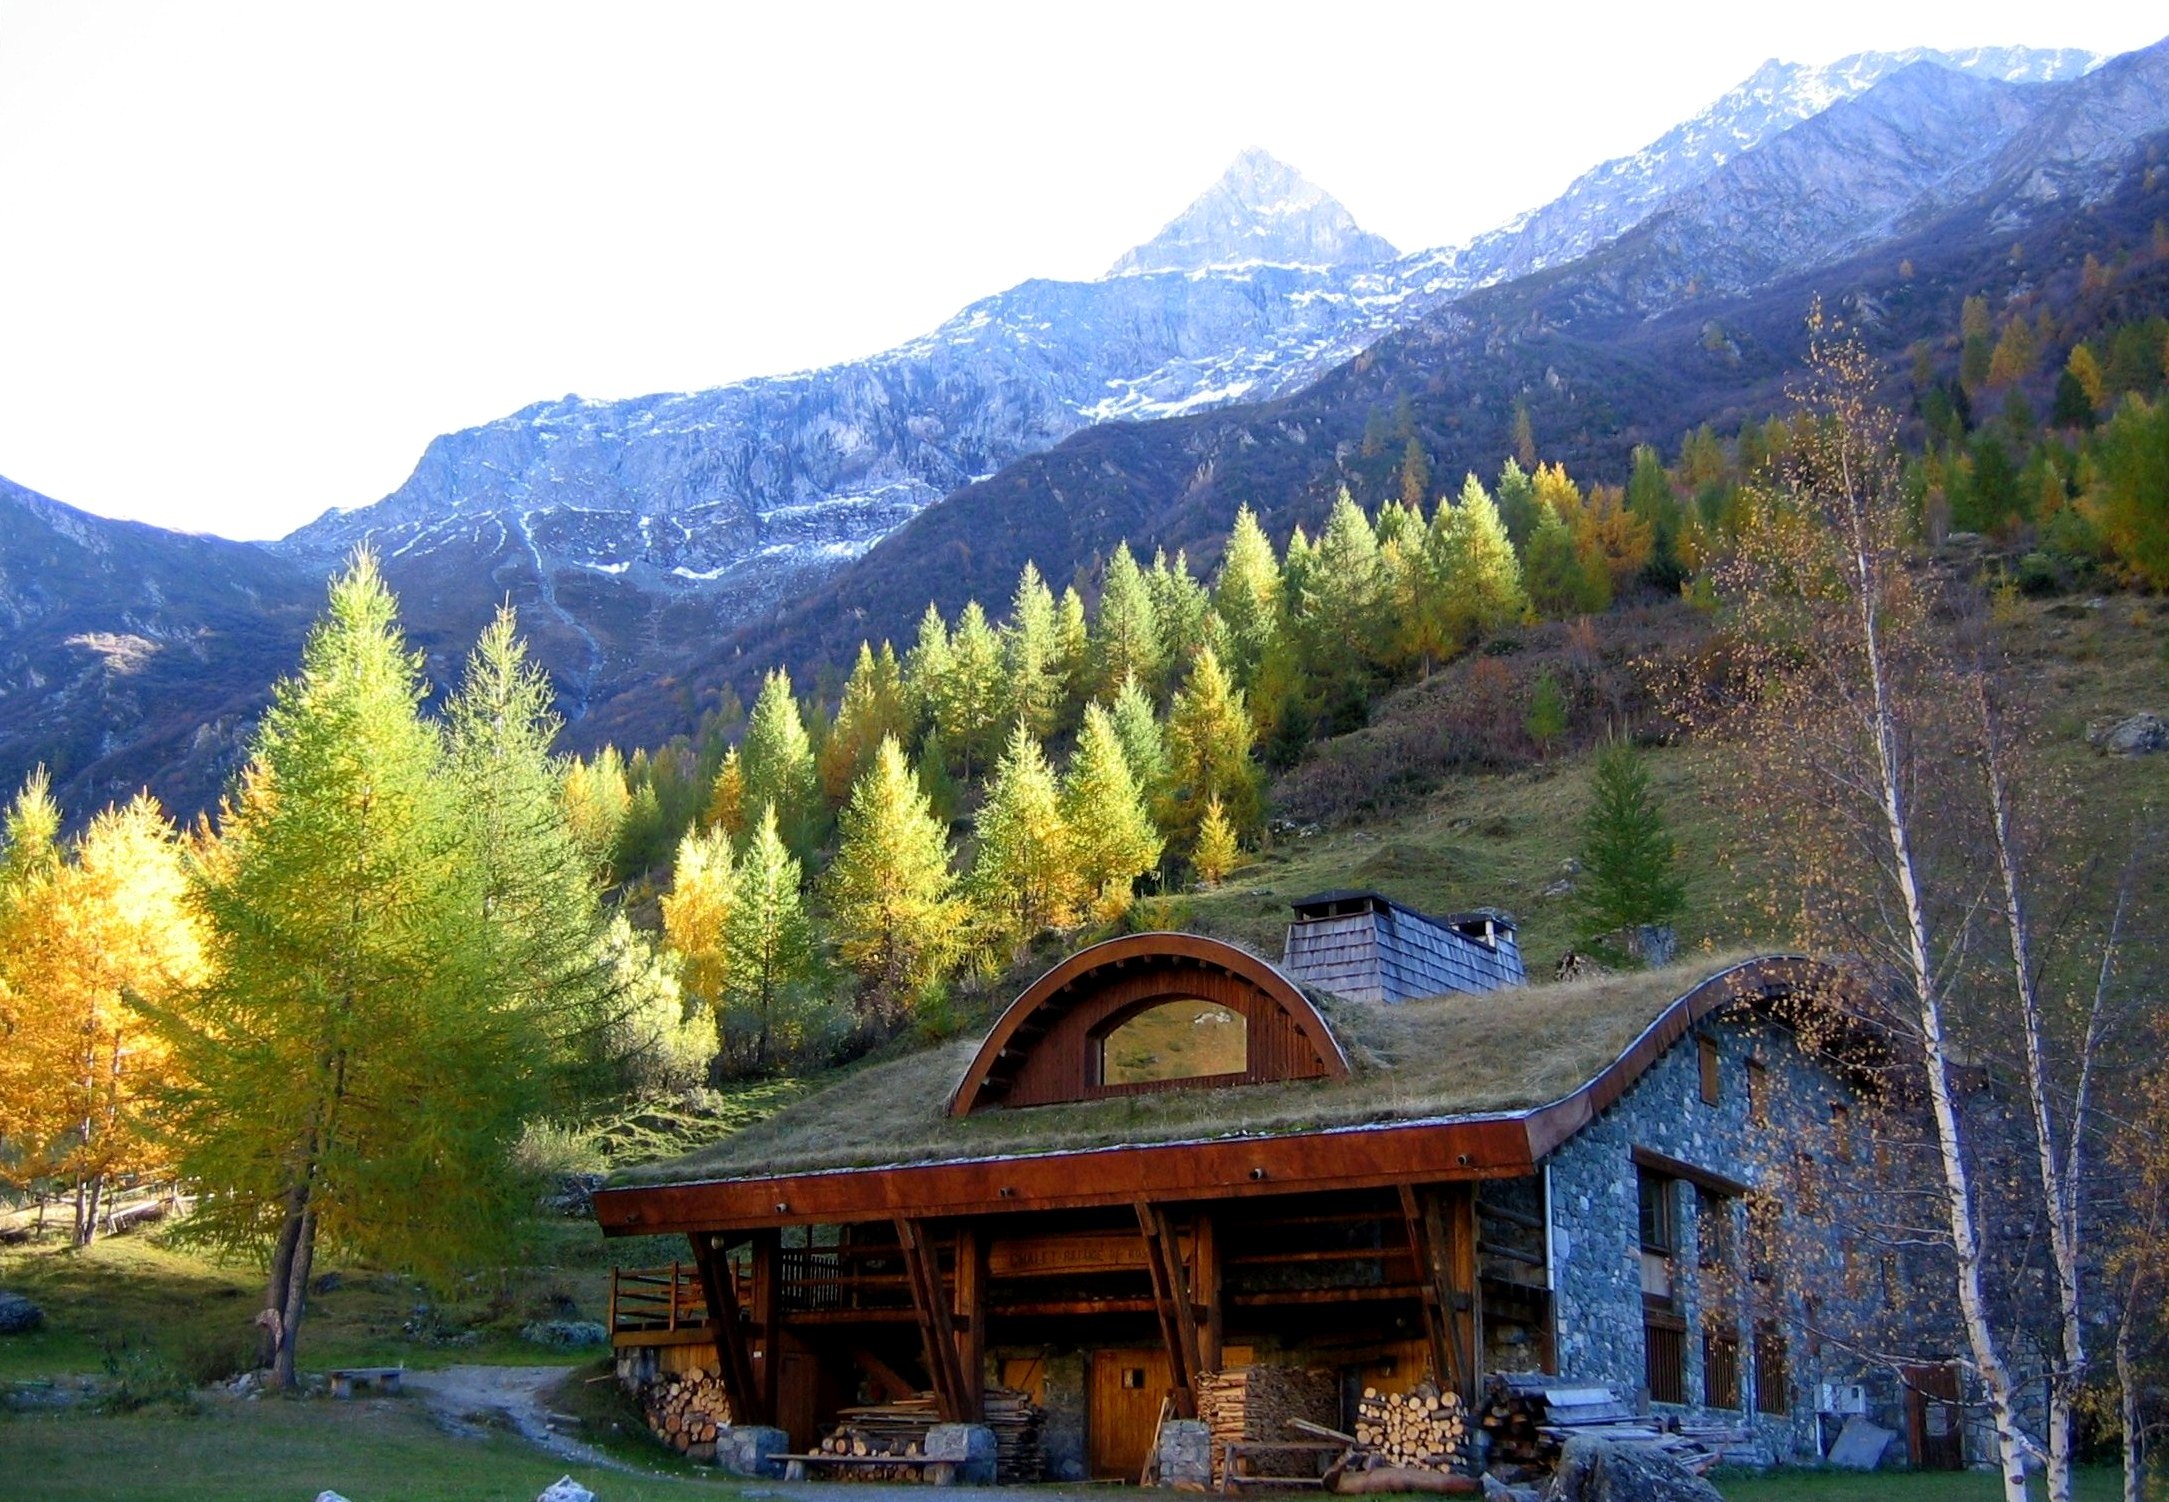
(2095, 1484)
(272, 1451)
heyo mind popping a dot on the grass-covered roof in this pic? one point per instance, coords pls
(1448, 1056)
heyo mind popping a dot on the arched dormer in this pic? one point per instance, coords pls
(1146, 1012)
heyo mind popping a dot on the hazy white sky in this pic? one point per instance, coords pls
(253, 257)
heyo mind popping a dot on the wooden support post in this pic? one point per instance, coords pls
(969, 1311)
(1444, 1360)
(767, 1303)
(936, 1330)
(1206, 1283)
(718, 1285)
(1463, 1236)
(1171, 1297)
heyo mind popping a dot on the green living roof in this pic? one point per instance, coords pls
(1448, 1056)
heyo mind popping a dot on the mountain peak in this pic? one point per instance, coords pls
(1262, 209)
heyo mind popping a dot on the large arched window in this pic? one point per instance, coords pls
(1185, 1039)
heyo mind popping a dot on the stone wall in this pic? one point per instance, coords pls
(1596, 1228)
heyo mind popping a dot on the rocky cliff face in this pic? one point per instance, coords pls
(1262, 210)
(131, 656)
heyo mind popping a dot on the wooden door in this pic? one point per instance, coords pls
(1934, 1428)
(1127, 1389)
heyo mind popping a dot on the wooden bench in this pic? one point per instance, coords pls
(383, 1378)
(1235, 1450)
(937, 1472)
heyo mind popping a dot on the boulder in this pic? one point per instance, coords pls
(744, 1450)
(565, 1489)
(1186, 1454)
(971, 1446)
(18, 1316)
(328, 1495)
(1596, 1470)
(565, 1334)
(2136, 735)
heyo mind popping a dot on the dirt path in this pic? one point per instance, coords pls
(459, 1396)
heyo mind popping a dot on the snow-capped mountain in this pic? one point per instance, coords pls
(625, 528)
(620, 527)
(1261, 210)
(1613, 197)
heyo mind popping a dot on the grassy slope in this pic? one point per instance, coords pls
(1472, 839)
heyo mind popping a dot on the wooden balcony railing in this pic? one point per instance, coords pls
(657, 1306)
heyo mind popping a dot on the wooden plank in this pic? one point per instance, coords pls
(1450, 1217)
(1207, 1285)
(1677, 1168)
(969, 1314)
(719, 1284)
(1172, 1301)
(937, 1331)
(1436, 1297)
(768, 1313)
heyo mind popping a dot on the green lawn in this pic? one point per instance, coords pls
(277, 1451)
(2096, 1484)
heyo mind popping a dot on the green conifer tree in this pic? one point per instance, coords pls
(1126, 635)
(539, 907)
(768, 951)
(1144, 743)
(1023, 878)
(1217, 851)
(1113, 839)
(1515, 496)
(1180, 606)
(871, 709)
(777, 757)
(1479, 577)
(355, 1073)
(1630, 868)
(926, 671)
(1073, 653)
(1032, 669)
(892, 902)
(1209, 736)
(1247, 597)
(971, 709)
(1557, 583)
(1547, 719)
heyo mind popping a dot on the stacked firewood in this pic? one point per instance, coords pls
(1531, 1418)
(1258, 1402)
(899, 1428)
(1424, 1429)
(686, 1408)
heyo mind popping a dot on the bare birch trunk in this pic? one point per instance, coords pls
(2127, 1381)
(2058, 1172)
(1959, 1197)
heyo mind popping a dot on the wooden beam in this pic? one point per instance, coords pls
(1674, 1168)
(888, 1383)
(1450, 1216)
(768, 1312)
(970, 1317)
(936, 1330)
(1171, 1300)
(718, 1284)
(1436, 1299)
(1207, 1284)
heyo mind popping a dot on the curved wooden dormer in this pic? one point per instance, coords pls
(1052, 1044)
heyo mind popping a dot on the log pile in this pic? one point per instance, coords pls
(899, 1428)
(1257, 1403)
(1423, 1430)
(1530, 1418)
(685, 1409)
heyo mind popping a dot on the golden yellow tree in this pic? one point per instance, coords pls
(86, 944)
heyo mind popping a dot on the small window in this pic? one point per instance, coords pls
(1763, 1228)
(1773, 1378)
(1133, 1377)
(1721, 1367)
(1758, 1093)
(1841, 1133)
(1175, 1040)
(1713, 1228)
(1660, 1223)
(1706, 1054)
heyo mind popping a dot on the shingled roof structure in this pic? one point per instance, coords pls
(1365, 946)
